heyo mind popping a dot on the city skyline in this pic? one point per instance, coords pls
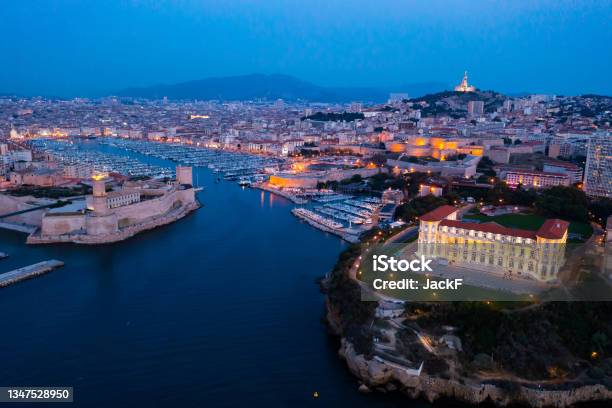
(218, 201)
(549, 47)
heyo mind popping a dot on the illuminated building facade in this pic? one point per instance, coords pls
(493, 248)
(598, 172)
(536, 179)
(463, 86)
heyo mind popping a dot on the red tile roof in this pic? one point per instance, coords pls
(439, 213)
(553, 229)
(491, 227)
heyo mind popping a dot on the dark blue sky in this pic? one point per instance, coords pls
(79, 47)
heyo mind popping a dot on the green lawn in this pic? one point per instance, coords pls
(529, 222)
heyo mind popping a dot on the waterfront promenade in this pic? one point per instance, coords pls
(290, 197)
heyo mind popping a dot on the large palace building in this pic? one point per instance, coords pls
(492, 247)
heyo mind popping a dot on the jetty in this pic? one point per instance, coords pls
(28, 272)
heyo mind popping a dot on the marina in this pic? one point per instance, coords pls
(27, 272)
(346, 215)
(244, 168)
(307, 214)
(326, 224)
(233, 166)
(70, 152)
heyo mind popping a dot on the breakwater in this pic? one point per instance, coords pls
(27, 272)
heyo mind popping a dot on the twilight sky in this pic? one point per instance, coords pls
(82, 47)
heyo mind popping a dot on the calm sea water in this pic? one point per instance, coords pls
(219, 309)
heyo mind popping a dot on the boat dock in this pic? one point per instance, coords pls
(28, 272)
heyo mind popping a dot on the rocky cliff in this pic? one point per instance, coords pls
(378, 376)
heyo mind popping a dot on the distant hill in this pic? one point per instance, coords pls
(454, 104)
(271, 87)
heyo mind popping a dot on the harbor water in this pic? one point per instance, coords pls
(220, 309)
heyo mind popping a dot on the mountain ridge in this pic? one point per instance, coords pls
(273, 86)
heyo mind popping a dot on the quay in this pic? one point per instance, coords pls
(344, 235)
(28, 272)
(290, 197)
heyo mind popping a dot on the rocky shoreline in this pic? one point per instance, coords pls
(378, 376)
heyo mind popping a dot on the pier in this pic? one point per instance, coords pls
(28, 272)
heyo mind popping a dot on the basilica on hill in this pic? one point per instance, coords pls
(463, 86)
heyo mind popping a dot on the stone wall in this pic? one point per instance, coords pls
(120, 223)
(101, 224)
(137, 213)
(125, 233)
(63, 224)
(9, 204)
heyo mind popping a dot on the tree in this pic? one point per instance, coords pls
(452, 198)
(356, 178)
(483, 179)
(600, 342)
(418, 206)
(379, 159)
(413, 182)
(601, 209)
(499, 194)
(484, 163)
(378, 182)
(485, 166)
(329, 184)
(564, 202)
(523, 197)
